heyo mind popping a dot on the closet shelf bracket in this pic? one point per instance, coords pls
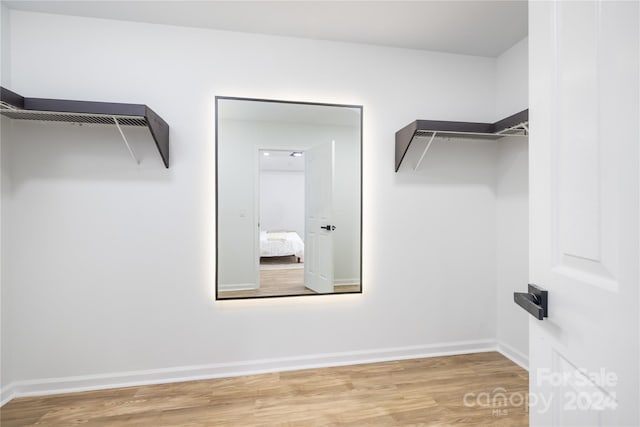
(124, 138)
(426, 148)
(521, 129)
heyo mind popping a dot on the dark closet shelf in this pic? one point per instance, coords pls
(515, 125)
(18, 107)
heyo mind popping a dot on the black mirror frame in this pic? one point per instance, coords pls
(359, 107)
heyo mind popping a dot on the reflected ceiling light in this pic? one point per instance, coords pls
(265, 154)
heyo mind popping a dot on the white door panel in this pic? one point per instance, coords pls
(319, 171)
(584, 181)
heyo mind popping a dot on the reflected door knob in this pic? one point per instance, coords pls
(328, 227)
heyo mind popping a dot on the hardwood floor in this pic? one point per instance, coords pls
(412, 392)
(274, 282)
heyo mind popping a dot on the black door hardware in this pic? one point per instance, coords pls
(535, 301)
(328, 227)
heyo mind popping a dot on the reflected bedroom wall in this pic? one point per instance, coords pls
(238, 164)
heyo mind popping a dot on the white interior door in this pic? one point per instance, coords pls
(584, 219)
(318, 252)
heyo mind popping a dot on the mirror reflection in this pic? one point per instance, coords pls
(288, 198)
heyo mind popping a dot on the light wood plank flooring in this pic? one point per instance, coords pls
(282, 282)
(412, 392)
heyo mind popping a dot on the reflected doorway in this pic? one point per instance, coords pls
(281, 201)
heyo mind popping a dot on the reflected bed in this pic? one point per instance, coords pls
(281, 243)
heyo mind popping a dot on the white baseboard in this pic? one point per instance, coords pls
(354, 281)
(237, 287)
(514, 355)
(6, 394)
(47, 386)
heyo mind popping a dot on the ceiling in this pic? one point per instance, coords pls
(281, 161)
(288, 112)
(482, 28)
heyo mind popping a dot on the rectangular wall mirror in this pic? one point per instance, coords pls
(288, 198)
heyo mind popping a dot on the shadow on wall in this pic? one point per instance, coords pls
(62, 151)
(449, 162)
(513, 175)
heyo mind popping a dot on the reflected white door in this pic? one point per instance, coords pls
(318, 252)
(584, 218)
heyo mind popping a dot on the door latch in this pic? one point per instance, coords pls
(536, 301)
(328, 227)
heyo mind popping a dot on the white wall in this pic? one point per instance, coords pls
(512, 192)
(346, 206)
(112, 265)
(6, 370)
(282, 201)
(512, 80)
(5, 45)
(512, 196)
